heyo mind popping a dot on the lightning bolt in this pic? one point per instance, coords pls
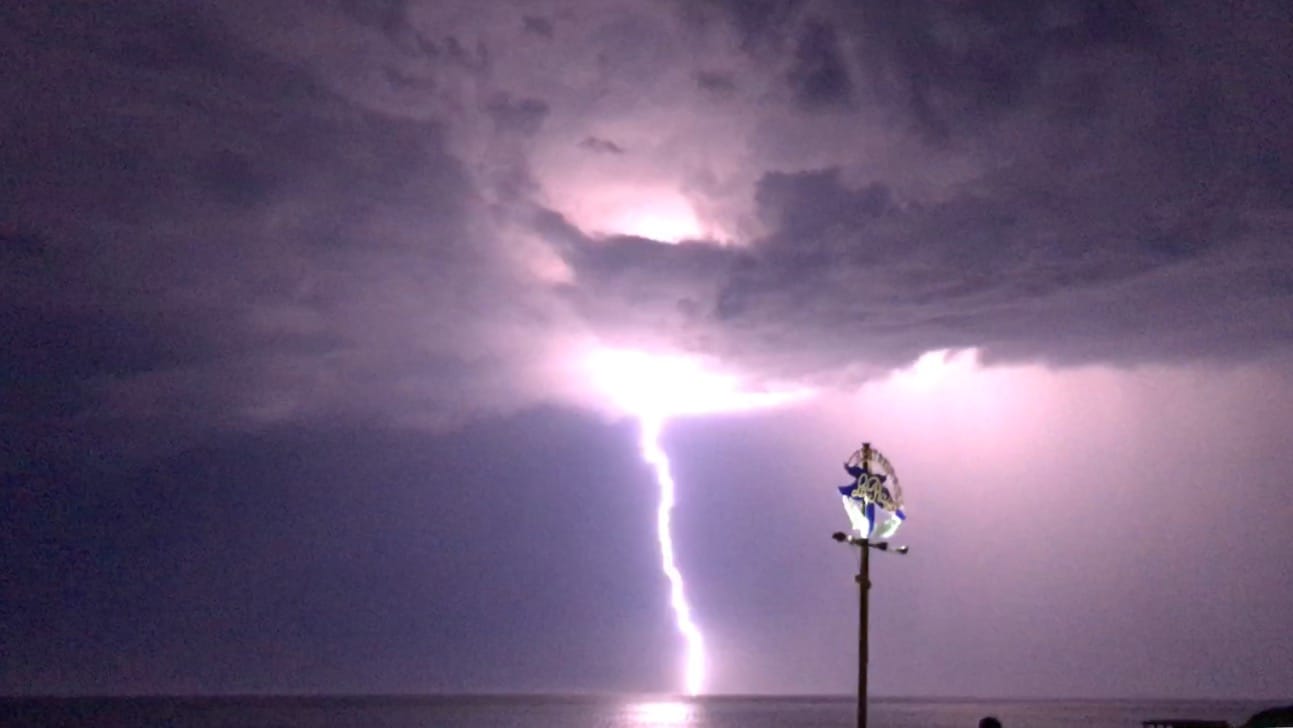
(656, 457)
(653, 387)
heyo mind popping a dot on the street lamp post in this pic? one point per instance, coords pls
(864, 591)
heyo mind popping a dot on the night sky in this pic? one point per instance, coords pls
(318, 323)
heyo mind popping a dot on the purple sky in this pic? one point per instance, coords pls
(298, 302)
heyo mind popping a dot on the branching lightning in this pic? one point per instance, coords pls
(656, 457)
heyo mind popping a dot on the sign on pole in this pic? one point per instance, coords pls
(874, 493)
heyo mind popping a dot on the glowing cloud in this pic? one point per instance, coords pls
(671, 385)
(657, 212)
(934, 369)
(670, 219)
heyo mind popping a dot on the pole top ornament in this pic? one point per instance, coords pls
(875, 487)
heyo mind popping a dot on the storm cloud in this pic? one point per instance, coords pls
(331, 267)
(278, 212)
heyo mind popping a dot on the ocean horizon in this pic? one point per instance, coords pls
(594, 710)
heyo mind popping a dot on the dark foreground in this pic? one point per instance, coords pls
(587, 712)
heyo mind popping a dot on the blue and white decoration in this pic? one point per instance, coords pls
(874, 492)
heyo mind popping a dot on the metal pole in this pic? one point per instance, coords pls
(864, 598)
(864, 594)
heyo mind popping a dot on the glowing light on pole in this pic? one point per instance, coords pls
(654, 387)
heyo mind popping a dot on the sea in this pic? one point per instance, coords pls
(600, 711)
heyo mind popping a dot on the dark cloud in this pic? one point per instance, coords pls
(850, 274)
(455, 51)
(716, 82)
(803, 205)
(600, 146)
(539, 26)
(340, 225)
(389, 16)
(760, 21)
(148, 36)
(820, 77)
(1093, 233)
(18, 245)
(640, 291)
(223, 239)
(234, 179)
(521, 116)
(950, 63)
